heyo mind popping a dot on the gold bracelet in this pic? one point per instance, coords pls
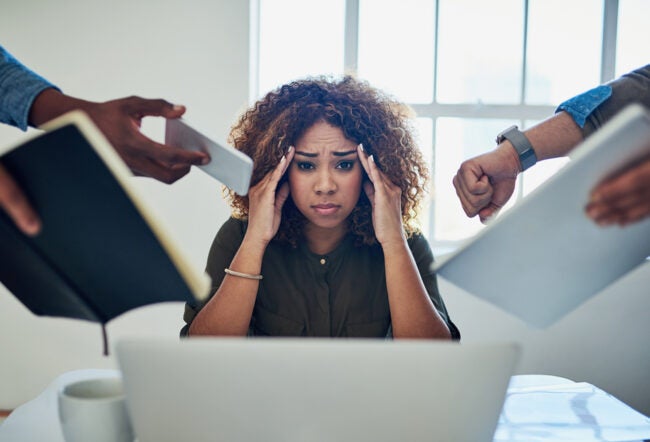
(242, 275)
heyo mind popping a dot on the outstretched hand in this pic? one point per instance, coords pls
(120, 121)
(485, 183)
(386, 201)
(623, 199)
(265, 201)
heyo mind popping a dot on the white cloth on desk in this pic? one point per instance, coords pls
(38, 419)
(550, 408)
(537, 408)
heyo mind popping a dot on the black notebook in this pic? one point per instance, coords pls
(100, 252)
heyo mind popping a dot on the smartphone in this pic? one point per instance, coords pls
(227, 165)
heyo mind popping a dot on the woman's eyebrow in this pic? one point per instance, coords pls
(344, 154)
(305, 154)
(336, 154)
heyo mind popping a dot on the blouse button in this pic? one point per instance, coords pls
(323, 261)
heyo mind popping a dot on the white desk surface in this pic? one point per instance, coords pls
(550, 408)
(538, 408)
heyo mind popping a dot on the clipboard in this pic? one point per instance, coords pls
(544, 257)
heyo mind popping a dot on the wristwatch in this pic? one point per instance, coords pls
(521, 144)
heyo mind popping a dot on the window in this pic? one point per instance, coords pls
(479, 58)
(401, 61)
(298, 38)
(469, 68)
(633, 35)
(563, 50)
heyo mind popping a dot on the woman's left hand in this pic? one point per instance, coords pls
(386, 201)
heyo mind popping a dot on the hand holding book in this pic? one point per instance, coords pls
(101, 251)
(119, 120)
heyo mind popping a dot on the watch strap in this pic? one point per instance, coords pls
(520, 142)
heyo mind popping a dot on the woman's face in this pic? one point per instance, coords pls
(325, 176)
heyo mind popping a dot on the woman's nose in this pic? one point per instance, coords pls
(325, 183)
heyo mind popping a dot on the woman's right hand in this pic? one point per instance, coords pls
(265, 201)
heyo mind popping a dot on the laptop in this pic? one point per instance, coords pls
(545, 257)
(313, 390)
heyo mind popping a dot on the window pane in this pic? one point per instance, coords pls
(396, 47)
(480, 51)
(542, 171)
(457, 140)
(632, 48)
(299, 38)
(564, 49)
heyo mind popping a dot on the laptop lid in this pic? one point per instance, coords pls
(544, 257)
(283, 390)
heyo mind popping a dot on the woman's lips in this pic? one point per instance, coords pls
(326, 209)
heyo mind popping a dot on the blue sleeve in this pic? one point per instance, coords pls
(19, 86)
(581, 106)
(596, 107)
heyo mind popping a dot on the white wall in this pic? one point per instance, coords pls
(195, 52)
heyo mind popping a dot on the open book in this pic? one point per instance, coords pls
(100, 252)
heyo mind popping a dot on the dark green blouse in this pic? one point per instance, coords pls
(341, 294)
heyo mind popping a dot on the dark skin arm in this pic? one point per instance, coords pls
(119, 120)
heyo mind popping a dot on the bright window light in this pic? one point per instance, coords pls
(576, 35)
(298, 38)
(399, 61)
(480, 51)
(633, 35)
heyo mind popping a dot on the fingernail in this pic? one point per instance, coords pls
(361, 147)
(283, 159)
(289, 150)
(372, 158)
(205, 160)
(32, 226)
(178, 107)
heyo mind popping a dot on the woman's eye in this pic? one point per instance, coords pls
(305, 166)
(345, 165)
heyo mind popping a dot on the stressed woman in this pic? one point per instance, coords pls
(326, 243)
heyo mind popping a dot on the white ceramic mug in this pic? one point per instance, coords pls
(94, 410)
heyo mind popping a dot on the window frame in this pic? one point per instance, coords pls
(520, 112)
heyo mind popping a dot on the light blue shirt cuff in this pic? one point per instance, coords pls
(19, 87)
(581, 106)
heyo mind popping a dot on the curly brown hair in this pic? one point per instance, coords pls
(363, 113)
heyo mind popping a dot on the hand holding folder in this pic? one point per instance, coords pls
(101, 251)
